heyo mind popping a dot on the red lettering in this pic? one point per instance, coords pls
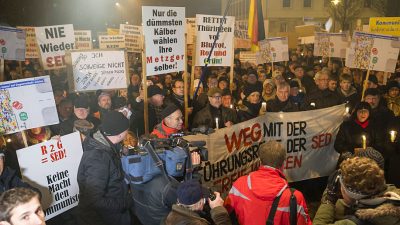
(56, 61)
(57, 156)
(149, 59)
(59, 145)
(44, 150)
(293, 162)
(234, 141)
(256, 135)
(321, 140)
(246, 137)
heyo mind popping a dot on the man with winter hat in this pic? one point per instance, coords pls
(103, 193)
(172, 122)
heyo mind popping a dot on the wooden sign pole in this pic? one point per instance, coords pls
(186, 88)
(144, 81)
(232, 66)
(192, 88)
(365, 85)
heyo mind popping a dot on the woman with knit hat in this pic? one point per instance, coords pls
(358, 132)
(251, 103)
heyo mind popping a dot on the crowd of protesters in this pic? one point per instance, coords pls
(304, 83)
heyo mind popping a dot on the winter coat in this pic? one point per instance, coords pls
(322, 99)
(248, 111)
(352, 97)
(181, 215)
(205, 118)
(373, 211)
(153, 200)
(103, 192)
(350, 134)
(251, 198)
(275, 105)
(9, 180)
(137, 119)
(162, 131)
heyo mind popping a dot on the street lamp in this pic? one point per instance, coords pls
(335, 2)
(117, 4)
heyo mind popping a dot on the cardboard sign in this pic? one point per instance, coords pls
(190, 30)
(331, 44)
(373, 52)
(111, 41)
(53, 41)
(385, 25)
(248, 56)
(52, 167)
(12, 43)
(241, 35)
(207, 27)
(112, 31)
(307, 137)
(99, 69)
(274, 49)
(31, 46)
(83, 39)
(133, 37)
(164, 32)
(26, 104)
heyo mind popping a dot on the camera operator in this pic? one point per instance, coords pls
(153, 200)
(171, 123)
(191, 199)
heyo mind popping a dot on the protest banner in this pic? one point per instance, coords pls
(190, 30)
(307, 137)
(83, 39)
(248, 56)
(385, 25)
(164, 33)
(31, 46)
(111, 41)
(207, 28)
(98, 69)
(373, 52)
(274, 49)
(112, 31)
(331, 44)
(26, 103)
(12, 43)
(53, 41)
(133, 37)
(52, 167)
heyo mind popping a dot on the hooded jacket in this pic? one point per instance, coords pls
(251, 198)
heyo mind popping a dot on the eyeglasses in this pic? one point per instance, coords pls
(217, 97)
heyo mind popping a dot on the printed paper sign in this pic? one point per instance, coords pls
(133, 37)
(242, 39)
(12, 43)
(307, 137)
(111, 41)
(274, 49)
(26, 104)
(331, 44)
(52, 167)
(83, 39)
(53, 41)
(207, 27)
(101, 69)
(373, 52)
(31, 46)
(248, 56)
(164, 32)
(385, 25)
(190, 30)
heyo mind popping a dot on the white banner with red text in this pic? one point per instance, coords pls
(308, 138)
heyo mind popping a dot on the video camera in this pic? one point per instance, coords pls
(156, 156)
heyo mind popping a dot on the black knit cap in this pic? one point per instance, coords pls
(373, 154)
(373, 79)
(226, 92)
(171, 108)
(392, 84)
(251, 71)
(372, 91)
(154, 90)
(81, 101)
(248, 89)
(114, 123)
(294, 83)
(191, 192)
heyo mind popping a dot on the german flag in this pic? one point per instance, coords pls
(256, 30)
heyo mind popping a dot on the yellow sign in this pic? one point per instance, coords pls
(112, 31)
(385, 25)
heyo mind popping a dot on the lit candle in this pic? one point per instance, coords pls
(393, 135)
(347, 110)
(312, 104)
(216, 123)
(264, 106)
(364, 142)
(8, 140)
(231, 106)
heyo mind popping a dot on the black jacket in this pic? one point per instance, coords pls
(103, 192)
(248, 111)
(137, 119)
(275, 105)
(350, 134)
(323, 99)
(205, 117)
(153, 200)
(9, 180)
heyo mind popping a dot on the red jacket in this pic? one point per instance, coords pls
(162, 131)
(251, 198)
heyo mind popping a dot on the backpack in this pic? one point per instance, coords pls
(292, 209)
